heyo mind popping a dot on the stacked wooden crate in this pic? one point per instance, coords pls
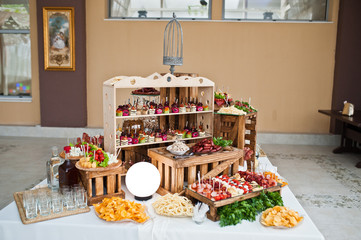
(240, 129)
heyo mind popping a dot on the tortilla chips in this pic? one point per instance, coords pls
(280, 216)
(116, 209)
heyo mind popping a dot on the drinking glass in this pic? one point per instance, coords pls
(64, 189)
(81, 198)
(44, 205)
(30, 204)
(76, 187)
(69, 200)
(56, 202)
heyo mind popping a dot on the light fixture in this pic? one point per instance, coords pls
(142, 180)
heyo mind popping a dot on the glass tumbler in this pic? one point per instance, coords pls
(56, 202)
(44, 204)
(69, 202)
(64, 189)
(81, 198)
(30, 204)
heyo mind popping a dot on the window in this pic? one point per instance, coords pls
(15, 62)
(158, 9)
(273, 10)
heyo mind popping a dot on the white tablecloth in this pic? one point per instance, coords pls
(89, 226)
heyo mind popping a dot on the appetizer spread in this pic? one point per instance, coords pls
(206, 146)
(178, 147)
(280, 216)
(117, 209)
(173, 205)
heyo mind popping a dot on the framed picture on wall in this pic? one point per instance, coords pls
(59, 47)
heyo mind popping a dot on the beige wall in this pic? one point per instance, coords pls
(18, 113)
(286, 68)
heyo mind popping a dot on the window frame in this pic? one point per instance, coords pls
(18, 98)
(275, 20)
(109, 17)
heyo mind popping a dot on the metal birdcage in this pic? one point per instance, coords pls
(173, 44)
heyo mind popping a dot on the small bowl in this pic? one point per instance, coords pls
(176, 153)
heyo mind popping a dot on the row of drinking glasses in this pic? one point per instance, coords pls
(43, 202)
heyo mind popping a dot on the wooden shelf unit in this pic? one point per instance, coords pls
(161, 115)
(172, 86)
(168, 141)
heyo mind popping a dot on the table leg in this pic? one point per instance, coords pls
(347, 142)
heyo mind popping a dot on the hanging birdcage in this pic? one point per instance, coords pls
(173, 44)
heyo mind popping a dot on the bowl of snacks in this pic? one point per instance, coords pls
(280, 217)
(178, 148)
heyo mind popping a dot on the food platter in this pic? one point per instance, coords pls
(178, 145)
(62, 155)
(287, 220)
(279, 227)
(125, 220)
(99, 169)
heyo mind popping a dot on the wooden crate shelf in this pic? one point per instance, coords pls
(240, 129)
(102, 184)
(174, 172)
(178, 86)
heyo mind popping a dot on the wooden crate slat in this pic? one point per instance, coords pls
(226, 118)
(160, 169)
(214, 165)
(119, 183)
(180, 179)
(167, 178)
(203, 169)
(90, 188)
(111, 184)
(183, 93)
(220, 168)
(192, 174)
(99, 190)
(251, 126)
(227, 129)
(226, 171)
(250, 137)
(173, 185)
(172, 96)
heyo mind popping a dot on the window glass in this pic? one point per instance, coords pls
(15, 56)
(271, 10)
(191, 9)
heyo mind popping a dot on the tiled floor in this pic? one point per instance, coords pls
(327, 185)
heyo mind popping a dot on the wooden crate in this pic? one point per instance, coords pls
(174, 172)
(214, 205)
(240, 129)
(102, 184)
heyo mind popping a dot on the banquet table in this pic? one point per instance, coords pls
(89, 226)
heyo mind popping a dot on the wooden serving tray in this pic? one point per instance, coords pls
(214, 205)
(18, 196)
(99, 169)
(62, 155)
